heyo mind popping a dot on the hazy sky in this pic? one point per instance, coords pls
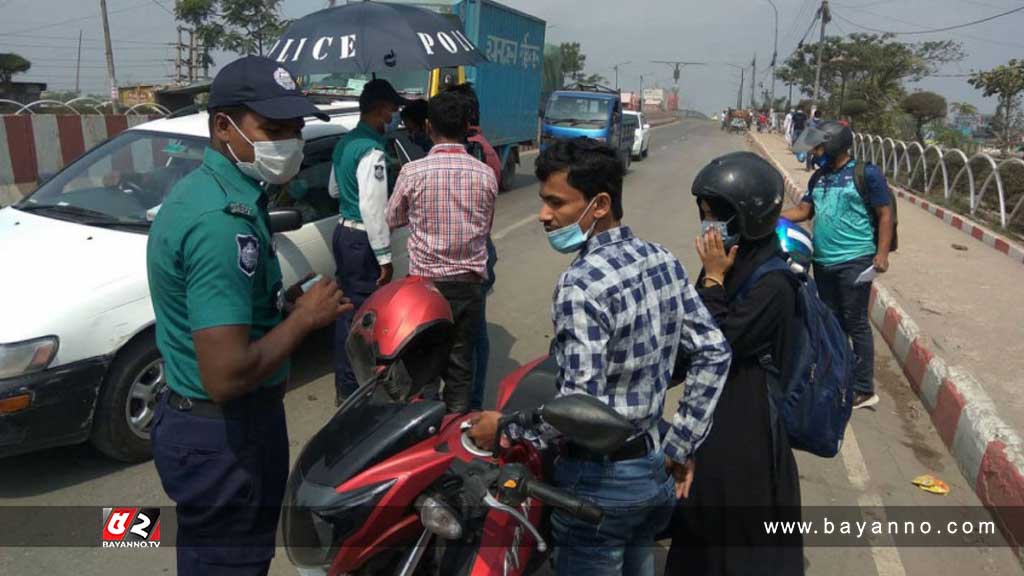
(610, 31)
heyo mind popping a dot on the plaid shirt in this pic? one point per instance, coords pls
(447, 200)
(621, 312)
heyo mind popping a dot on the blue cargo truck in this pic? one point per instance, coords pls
(509, 85)
(590, 111)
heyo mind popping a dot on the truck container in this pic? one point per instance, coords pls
(509, 85)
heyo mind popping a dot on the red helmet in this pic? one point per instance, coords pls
(408, 323)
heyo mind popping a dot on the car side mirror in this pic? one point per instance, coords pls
(285, 220)
(647, 126)
(587, 421)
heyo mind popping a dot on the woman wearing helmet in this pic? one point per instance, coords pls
(745, 473)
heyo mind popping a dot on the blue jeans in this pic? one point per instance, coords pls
(637, 497)
(850, 302)
(357, 273)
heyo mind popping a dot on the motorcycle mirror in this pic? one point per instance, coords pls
(587, 421)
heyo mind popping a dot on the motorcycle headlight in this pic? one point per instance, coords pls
(438, 518)
(28, 356)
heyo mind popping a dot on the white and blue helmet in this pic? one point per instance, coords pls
(795, 241)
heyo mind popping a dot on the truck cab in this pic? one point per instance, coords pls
(587, 111)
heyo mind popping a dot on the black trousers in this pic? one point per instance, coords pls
(227, 476)
(357, 272)
(467, 302)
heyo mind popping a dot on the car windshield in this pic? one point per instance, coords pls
(565, 110)
(122, 182)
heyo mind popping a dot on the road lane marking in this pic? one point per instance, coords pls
(887, 559)
(513, 227)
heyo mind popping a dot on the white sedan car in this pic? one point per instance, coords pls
(78, 357)
(642, 138)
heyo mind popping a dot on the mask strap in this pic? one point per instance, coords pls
(240, 133)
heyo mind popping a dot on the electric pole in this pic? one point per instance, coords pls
(739, 94)
(193, 70)
(826, 17)
(78, 65)
(616, 68)
(110, 58)
(775, 54)
(177, 58)
(753, 76)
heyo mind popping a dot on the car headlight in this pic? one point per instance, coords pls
(25, 357)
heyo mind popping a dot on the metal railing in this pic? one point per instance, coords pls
(908, 165)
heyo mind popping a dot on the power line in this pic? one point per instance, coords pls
(162, 7)
(959, 34)
(71, 20)
(934, 30)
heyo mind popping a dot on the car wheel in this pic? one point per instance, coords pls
(124, 411)
(646, 152)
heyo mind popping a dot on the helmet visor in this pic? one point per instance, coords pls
(810, 139)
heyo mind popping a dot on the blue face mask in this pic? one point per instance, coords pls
(728, 240)
(570, 238)
(822, 161)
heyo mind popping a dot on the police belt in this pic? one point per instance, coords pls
(637, 447)
(353, 224)
(237, 408)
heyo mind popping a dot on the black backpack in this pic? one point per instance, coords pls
(859, 182)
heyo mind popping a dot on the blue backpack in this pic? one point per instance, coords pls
(814, 397)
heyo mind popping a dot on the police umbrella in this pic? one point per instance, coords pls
(368, 37)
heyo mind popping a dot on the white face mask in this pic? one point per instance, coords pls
(275, 161)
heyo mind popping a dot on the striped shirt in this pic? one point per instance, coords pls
(447, 201)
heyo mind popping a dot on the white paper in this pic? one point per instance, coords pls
(867, 275)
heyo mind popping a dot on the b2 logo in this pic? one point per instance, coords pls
(131, 527)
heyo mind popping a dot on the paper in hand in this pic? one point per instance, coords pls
(867, 275)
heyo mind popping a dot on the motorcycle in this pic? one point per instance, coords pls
(394, 485)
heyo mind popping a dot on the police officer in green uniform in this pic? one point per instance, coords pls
(362, 239)
(220, 443)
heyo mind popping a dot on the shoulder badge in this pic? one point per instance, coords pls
(248, 253)
(378, 171)
(240, 209)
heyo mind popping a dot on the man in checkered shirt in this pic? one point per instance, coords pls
(622, 311)
(447, 201)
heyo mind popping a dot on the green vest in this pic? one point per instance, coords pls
(349, 150)
(211, 262)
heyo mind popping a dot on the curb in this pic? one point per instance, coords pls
(961, 223)
(989, 453)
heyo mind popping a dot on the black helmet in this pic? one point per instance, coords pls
(836, 137)
(750, 185)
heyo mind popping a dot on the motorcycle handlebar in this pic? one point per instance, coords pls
(559, 499)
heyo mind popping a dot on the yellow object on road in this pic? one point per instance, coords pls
(930, 483)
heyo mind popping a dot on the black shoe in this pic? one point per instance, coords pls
(861, 400)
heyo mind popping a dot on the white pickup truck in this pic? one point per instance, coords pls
(78, 358)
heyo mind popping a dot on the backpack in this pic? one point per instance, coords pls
(859, 182)
(814, 396)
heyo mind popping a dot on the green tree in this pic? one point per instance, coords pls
(867, 67)
(855, 109)
(924, 107)
(239, 26)
(594, 79)
(963, 108)
(573, 61)
(1007, 83)
(554, 75)
(11, 64)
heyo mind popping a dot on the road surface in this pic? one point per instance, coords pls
(885, 447)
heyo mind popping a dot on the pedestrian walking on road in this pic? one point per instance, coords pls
(220, 442)
(813, 122)
(853, 231)
(447, 201)
(362, 239)
(745, 473)
(787, 127)
(620, 345)
(799, 124)
(481, 149)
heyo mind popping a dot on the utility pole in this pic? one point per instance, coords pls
(739, 94)
(616, 68)
(192, 68)
(110, 57)
(78, 65)
(753, 77)
(826, 17)
(177, 58)
(775, 53)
